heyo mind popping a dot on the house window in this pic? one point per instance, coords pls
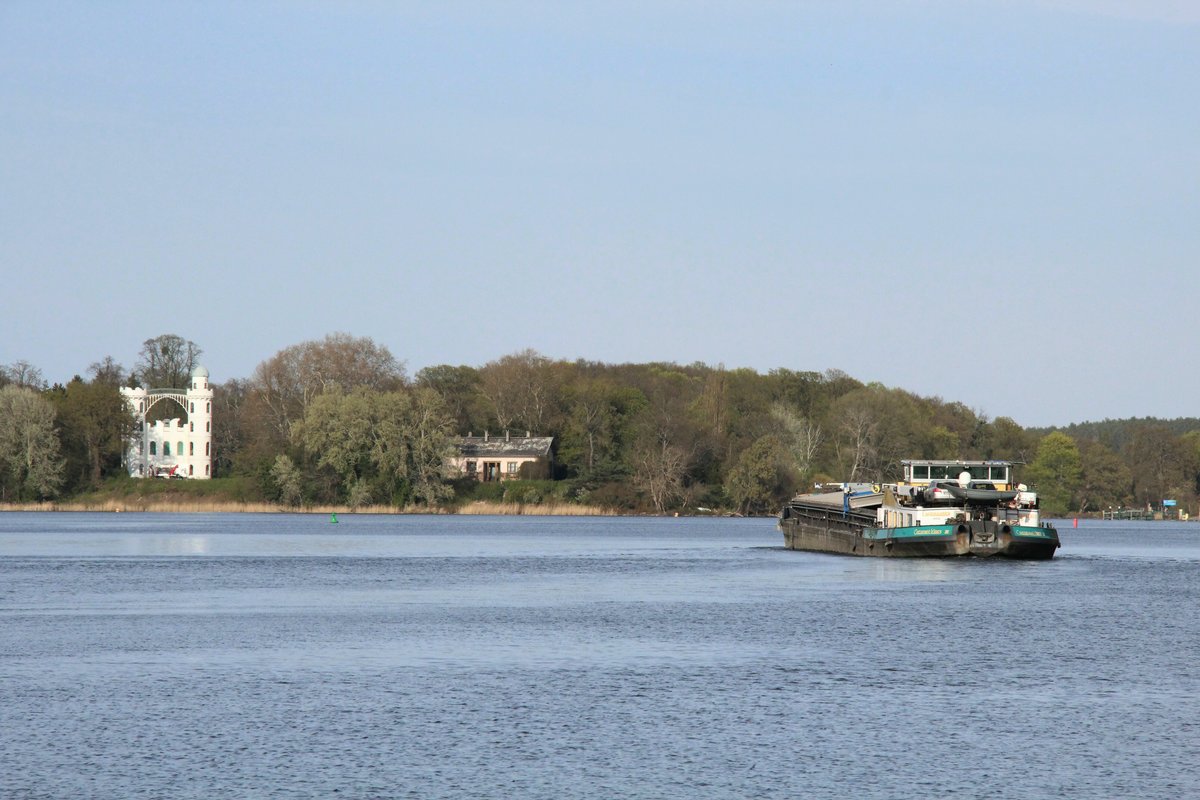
(471, 467)
(512, 467)
(166, 448)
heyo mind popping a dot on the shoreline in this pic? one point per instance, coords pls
(152, 506)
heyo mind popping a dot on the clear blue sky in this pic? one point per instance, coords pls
(991, 201)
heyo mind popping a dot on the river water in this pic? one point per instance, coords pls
(281, 656)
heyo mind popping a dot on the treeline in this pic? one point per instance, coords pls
(338, 420)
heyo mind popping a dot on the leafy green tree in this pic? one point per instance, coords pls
(1055, 473)
(1006, 440)
(94, 418)
(1159, 461)
(287, 480)
(31, 466)
(760, 480)
(286, 383)
(393, 444)
(458, 387)
(1105, 481)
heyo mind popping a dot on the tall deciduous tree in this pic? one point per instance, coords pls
(800, 436)
(287, 383)
(22, 373)
(380, 443)
(95, 417)
(1055, 472)
(1104, 480)
(521, 389)
(31, 466)
(760, 479)
(166, 362)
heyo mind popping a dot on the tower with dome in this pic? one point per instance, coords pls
(180, 447)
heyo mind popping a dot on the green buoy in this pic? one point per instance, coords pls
(333, 518)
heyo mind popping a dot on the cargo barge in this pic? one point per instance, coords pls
(938, 509)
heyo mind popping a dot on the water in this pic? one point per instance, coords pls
(252, 656)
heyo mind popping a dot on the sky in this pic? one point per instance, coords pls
(995, 202)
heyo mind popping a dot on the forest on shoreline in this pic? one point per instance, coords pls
(338, 423)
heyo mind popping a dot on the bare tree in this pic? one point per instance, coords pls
(521, 388)
(801, 437)
(286, 383)
(166, 362)
(22, 373)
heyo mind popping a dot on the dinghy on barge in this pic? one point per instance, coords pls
(938, 509)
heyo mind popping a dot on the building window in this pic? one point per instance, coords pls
(166, 448)
(207, 427)
(206, 469)
(191, 448)
(191, 470)
(206, 448)
(179, 449)
(512, 468)
(191, 408)
(191, 427)
(208, 407)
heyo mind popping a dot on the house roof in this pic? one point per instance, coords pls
(498, 446)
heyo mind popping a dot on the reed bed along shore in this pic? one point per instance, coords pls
(198, 506)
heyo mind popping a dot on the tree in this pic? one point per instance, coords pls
(521, 388)
(459, 389)
(287, 383)
(1104, 480)
(108, 372)
(22, 373)
(95, 417)
(1055, 472)
(760, 481)
(800, 437)
(31, 466)
(380, 443)
(287, 480)
(658, 468)
(166, 362)
(1159, 461)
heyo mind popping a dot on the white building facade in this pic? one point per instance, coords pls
(176, 448)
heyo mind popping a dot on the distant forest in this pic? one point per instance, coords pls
(339, 420)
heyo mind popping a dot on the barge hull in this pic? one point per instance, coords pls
(821, 529)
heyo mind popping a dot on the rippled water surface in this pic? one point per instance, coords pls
(253, 656)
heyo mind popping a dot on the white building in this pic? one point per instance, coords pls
(180, 447)
(502, 458)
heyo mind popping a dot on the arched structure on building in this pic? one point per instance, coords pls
(175, 448)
